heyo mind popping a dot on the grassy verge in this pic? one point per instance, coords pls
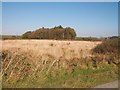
(80, 78)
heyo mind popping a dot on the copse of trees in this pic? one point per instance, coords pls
(26, 34)
(51, 33)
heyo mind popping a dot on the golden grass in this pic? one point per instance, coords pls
(51, 52)
(52, 47)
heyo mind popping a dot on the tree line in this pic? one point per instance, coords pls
(51, 33)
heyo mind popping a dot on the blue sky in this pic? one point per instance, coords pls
(87, 18)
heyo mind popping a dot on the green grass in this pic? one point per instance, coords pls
(80, 78)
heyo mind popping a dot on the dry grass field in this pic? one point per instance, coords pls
(69, 49)
(52, 63)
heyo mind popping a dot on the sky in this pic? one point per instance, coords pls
(96, 19)
(60, 0)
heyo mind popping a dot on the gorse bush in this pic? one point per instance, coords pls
(108, 50)
(107, 46)
(51, 33)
